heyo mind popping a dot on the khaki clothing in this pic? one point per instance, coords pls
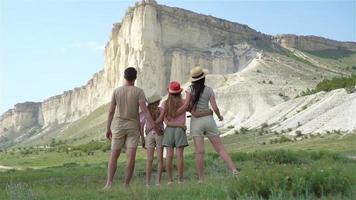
(153, 140)
(203, 126)
(128, 138)
(126, 123)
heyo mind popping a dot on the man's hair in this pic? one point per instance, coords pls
(130, 74)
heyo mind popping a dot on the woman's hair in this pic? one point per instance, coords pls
(197, 89)
(154, 110)
(174, 102)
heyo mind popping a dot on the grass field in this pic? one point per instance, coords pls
(320, 167)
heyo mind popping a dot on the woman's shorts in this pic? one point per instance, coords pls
(203, 126)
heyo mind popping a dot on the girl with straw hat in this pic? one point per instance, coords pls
(153, 140)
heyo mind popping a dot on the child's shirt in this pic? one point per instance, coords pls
(149, 127)
(180, 119)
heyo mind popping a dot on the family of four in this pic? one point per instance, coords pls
(126, 125)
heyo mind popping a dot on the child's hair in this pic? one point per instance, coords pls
(173, 103)
(154, 110)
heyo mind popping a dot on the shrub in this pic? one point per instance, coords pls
(270, 82)
(243, 130)
(332, 84)
(298, 133)
(231, 127)
(283, 139)
(264, 125)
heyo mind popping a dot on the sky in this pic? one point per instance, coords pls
(50, 46)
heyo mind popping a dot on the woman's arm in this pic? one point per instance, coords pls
(185, 105)
(215, 107)
(174, 124)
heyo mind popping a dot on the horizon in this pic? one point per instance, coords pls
(82, 53)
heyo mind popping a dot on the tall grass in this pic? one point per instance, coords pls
(275, 174)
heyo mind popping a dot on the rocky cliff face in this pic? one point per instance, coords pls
(312, 43)
(24, 115)
(161, 41)
(164, 43)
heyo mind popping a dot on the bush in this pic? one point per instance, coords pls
(243, 130)
(264, 125)
(335, 83)
(298, 133)
(231, 127)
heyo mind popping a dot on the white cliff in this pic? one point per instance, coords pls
(164, 43)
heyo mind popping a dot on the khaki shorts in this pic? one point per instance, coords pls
(203, 126)
(153, 140)
(128, 137)
(174, 137)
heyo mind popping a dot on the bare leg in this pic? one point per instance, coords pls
(220, 149)
(112, 167)
(160, 164)
(131, 156)
(180, 163)
(169, 164)
(199, 156)
(150, 152)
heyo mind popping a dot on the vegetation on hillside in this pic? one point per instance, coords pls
(331, 84)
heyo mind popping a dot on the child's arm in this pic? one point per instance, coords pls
(161, 114)
(174, 124)
(201, 114)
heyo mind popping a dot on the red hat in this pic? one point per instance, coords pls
(174, 87)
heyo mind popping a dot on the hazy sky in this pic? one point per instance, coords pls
(49, 46)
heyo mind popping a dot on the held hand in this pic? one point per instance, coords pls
(221, 118)
(109, 134)
(158, 129)
(143, 143)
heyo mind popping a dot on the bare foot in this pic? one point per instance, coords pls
(107, 187)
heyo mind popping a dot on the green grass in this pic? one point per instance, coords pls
(277, 174)
(332, 53)
(337, 59)
(307, 169)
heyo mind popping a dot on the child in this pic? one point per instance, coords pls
(152, 139)
(174, 134)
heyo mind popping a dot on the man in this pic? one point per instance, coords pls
(125, 104)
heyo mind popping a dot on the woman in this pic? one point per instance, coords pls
(198, 97)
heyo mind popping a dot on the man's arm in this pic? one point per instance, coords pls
(142, 135)
(110, 118)
(215, 107)
(149, 117)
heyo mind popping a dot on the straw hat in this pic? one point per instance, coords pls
(197, 73)
(154, 98)
(174, 87)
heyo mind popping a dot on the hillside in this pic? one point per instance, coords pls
(252, 73)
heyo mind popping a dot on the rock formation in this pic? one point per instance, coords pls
(164, 43)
